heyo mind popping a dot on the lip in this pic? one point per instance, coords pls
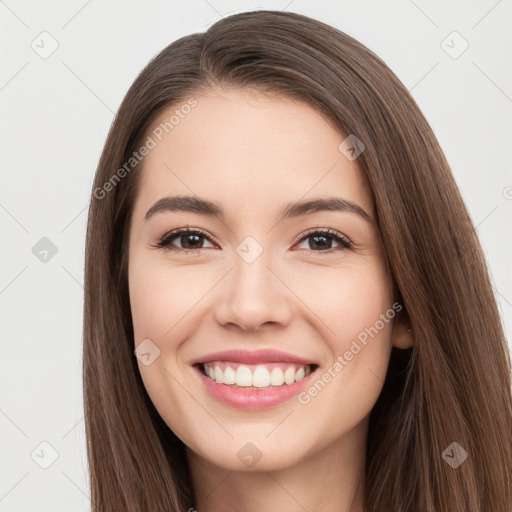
(253, 399)
(252, 357)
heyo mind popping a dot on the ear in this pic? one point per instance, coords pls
(402, 336)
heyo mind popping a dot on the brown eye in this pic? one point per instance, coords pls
(189, 239)
(322, 241)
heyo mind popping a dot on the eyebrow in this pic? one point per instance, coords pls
(210, 208)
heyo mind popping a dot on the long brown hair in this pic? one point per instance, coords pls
(454, 385)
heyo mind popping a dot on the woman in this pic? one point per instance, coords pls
(286, 303)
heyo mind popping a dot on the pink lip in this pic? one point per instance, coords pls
(253, 399)
(252, 357)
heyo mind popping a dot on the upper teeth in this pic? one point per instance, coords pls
(259, 376)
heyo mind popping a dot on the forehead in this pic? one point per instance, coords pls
(249, 150)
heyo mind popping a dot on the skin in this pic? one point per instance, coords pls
(254, 154)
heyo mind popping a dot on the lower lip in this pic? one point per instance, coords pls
(253, 399)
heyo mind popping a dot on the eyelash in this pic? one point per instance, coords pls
(165, 241)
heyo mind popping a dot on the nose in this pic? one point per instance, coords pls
(254, 297)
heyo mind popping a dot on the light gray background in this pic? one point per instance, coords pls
(56, 112)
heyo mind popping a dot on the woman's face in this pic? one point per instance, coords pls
(255, 280)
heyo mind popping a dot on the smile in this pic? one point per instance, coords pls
(254, 387)
(255, 376)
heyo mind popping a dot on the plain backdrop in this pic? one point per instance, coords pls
(65, 69)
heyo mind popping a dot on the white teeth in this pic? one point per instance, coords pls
(229, 376)
(260, 378)
(219, 375)
(301, 373)
(289, 375)
(276, 377)
(243, 376)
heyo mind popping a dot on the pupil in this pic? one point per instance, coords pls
(188, 238)
(320, 237)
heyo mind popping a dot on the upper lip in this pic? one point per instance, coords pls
(252, 357)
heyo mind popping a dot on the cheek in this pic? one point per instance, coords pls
(354, 314)
(352, 303)
(159, 301)
(159, 297)
(345, 301)
(148, 310)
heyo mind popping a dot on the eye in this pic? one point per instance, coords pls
(191, 240)
(322, 240)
